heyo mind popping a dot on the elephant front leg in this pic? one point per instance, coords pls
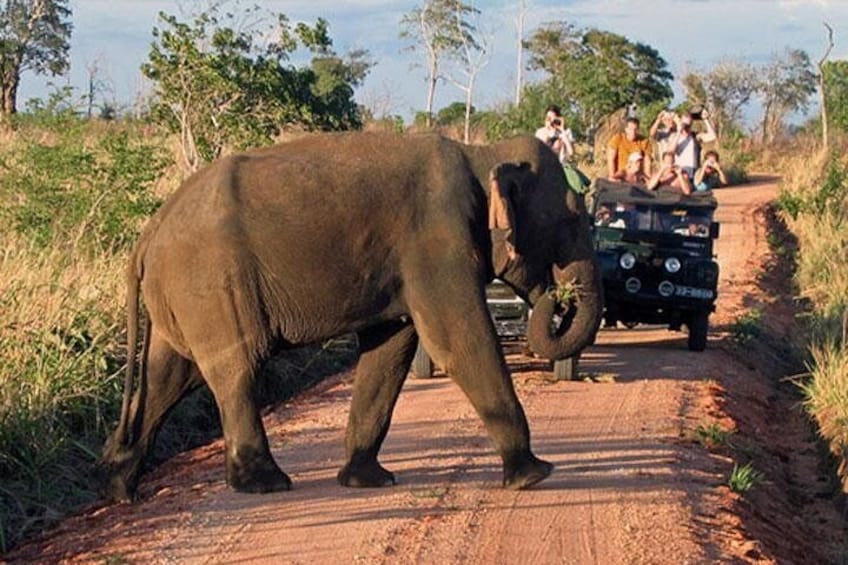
(456, 328)
(387, 352)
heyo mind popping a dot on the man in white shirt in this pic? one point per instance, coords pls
(687, 144)
(556, 135)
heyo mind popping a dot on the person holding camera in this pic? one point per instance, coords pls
(687, 144)
(670, 174)
(710, 175)
(663, 130)
(555, 135)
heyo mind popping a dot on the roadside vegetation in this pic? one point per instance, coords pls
(814, 201)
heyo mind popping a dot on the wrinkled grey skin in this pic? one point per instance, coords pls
(383, 235)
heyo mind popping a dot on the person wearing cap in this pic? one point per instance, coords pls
(555, 135)
(623, 145)
(633, 172)
(687, 144)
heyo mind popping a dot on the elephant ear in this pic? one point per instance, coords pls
(504, 182)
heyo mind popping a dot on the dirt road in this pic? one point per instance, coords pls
(630, 485)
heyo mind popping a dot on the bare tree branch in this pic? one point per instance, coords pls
(822, 97)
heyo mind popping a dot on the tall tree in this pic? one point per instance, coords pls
(593, 72)
(725, 89)
(432, 29)
(34, 36)
(786, 83)
(221, 86)
(469, 58)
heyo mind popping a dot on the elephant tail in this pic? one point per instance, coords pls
(134, 276)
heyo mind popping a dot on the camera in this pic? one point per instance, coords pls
(556, 122)
(696, 112)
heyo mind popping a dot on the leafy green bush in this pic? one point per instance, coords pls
(831, 193)
(91, 194)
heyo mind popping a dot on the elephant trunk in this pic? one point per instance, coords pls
(566, 320)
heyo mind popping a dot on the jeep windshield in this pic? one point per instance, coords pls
(633, 208)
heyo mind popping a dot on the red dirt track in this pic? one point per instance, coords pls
(630, 485)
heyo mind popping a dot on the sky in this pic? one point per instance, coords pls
(689, 34)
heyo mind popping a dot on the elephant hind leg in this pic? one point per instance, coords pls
(229, 369)
(387, 352)
(166, 377)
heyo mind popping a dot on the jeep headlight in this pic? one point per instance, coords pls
(627, 260)
(672, 264)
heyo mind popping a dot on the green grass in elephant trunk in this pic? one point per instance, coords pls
(332, 234)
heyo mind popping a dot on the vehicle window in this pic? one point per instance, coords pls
(691, 222)
(665, 219)
(621, 215)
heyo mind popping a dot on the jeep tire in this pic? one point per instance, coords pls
(699, 326)
(422, 365)
(566, 369)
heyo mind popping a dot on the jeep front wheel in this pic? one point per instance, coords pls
(699, 326)
(422, 364)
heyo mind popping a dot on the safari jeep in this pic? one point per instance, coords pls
(655, 251)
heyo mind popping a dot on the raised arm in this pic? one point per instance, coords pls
(710, 134)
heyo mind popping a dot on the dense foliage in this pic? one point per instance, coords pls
(836, 92)
(592, 73)
(222, 87)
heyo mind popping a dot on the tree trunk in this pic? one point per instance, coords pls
(8, 103)
(468, 97)
(766, 116)
(822, 93)
(431, 90)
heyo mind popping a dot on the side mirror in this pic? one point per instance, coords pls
(714, 230)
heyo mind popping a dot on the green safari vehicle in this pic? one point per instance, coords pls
(655, 251)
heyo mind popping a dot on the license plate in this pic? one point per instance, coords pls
(690, 292)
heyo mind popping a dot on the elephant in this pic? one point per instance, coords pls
(392, 237)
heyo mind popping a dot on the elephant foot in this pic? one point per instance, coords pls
(526, 472)
(116, 486)
(365, 474)
(117, 473)
(256, 474)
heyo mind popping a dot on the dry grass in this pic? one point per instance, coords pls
(815, 204)
(827, 398)
(60, 331)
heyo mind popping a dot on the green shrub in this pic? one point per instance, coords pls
(713, 435)
(743, 479)
(94, 194)
(747, 326)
